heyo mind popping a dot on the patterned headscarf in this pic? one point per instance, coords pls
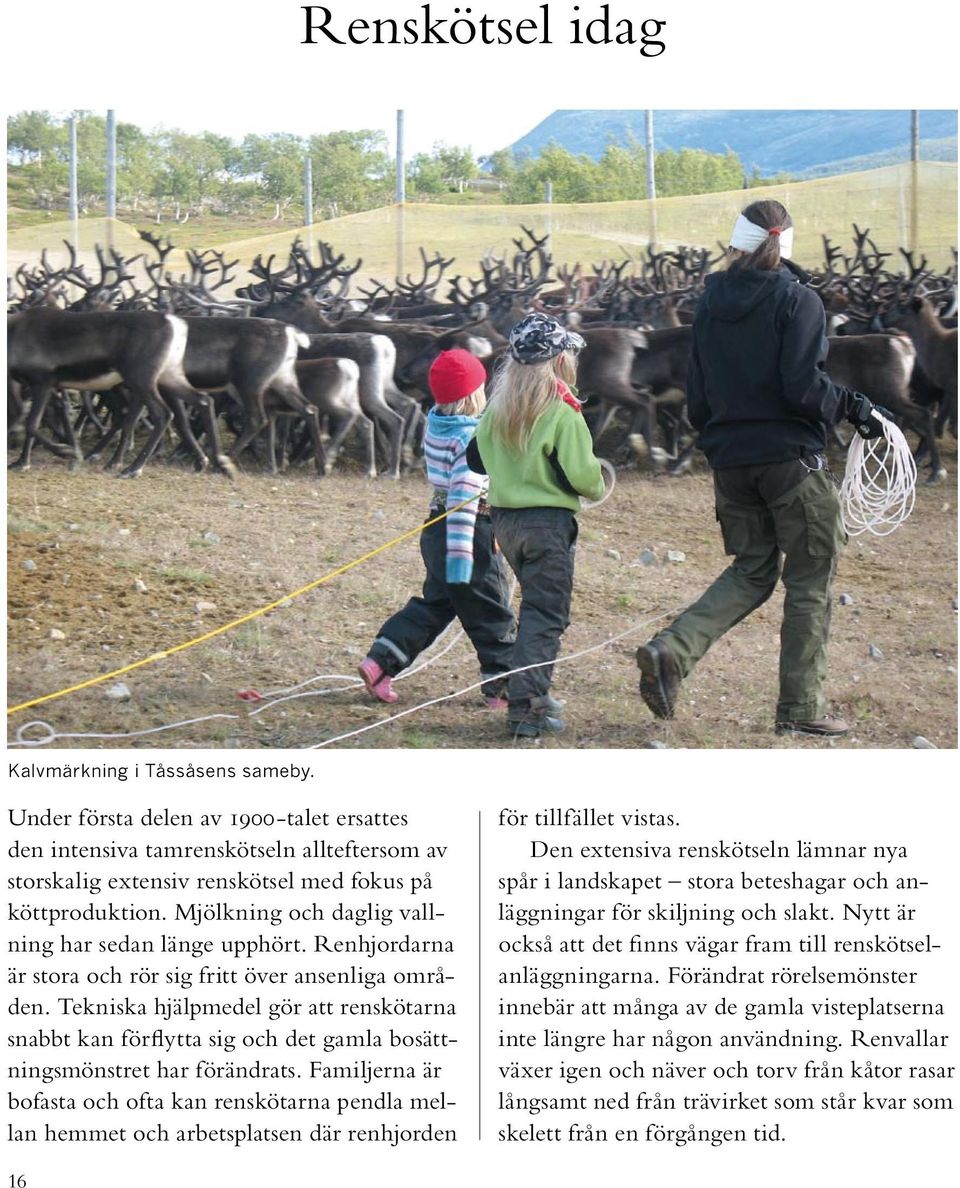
(539, 337)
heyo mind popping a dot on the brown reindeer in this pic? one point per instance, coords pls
(49, 348)
(936, 348)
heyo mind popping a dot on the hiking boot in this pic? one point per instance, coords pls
(825, 727)
(534, 727)
(377, 682)
(659, 679)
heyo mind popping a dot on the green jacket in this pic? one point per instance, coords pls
(557, 467)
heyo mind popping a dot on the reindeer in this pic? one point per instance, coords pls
(660, 373)
(332, 385)
(880, 366)
(245, 357)
(50, 348)
(936, 348)
(375, 355)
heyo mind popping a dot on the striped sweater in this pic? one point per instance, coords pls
(444, 448)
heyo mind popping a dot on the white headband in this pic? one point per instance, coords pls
(748, 237)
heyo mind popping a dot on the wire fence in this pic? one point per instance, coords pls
(902, 205)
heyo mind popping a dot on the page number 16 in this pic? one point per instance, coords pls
(18, 1181)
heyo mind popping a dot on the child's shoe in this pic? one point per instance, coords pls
(377, 682)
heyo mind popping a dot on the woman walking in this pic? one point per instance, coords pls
(536, 448)
(761, 402)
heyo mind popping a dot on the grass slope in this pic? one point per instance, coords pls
(590, 232)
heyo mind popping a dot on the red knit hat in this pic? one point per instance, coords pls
(454, 375)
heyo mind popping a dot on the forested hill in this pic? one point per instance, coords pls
(772, 141)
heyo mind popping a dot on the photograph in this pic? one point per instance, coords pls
(620, 429)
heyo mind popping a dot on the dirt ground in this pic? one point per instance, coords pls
(104, 572)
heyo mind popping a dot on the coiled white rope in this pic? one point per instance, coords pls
(608, 470)
(879, 483)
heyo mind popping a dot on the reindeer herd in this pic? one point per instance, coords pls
(281, 371)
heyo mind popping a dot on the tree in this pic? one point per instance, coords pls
(502, 164)
(40, 143)
(623, 171)
(351, 170)
(447, 167)
(457, 165)
(574, 179)
(138, 160)
(277, 160)
(33, 136)
(425, 174)
(91, 159)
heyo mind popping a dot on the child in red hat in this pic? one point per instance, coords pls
(466, 577)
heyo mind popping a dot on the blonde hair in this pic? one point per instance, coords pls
(522, 392)
(470, 406)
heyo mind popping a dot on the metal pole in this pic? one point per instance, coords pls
(308, 202)
(401, 195)
(914, 180)
(651, 174)
(111, 172)
(401, 191)
(111, 165)
(74, 206)
(651, 177)
(308, 192)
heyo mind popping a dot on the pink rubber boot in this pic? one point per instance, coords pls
(376, 681)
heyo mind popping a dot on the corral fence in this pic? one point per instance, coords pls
(892, 202)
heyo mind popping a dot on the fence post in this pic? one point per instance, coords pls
(400, 196)
(74, 205)
(308, 202)
(651, 176)
(111, 173)
(914, 180)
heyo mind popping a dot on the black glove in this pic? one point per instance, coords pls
(863, 417)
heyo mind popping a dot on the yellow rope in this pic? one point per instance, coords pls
(190, 643)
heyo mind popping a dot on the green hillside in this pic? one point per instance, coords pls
(588, 233)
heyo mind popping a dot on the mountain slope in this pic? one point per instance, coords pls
(773, 141)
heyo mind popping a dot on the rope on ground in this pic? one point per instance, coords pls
(50, 735)
(469, 688)
(20, 738)
(276, 697)
(879, 483)
(291, 693)
(207, 635)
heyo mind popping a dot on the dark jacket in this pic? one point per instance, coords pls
(757, 391)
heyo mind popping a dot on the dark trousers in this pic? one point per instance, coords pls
(539, 543)
(483, 608)
(766, 511)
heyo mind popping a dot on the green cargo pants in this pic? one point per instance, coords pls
(766, 511)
